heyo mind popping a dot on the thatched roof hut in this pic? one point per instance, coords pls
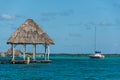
(2, 54)
(17, 52)
(30, 33)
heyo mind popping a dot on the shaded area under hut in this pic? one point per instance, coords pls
(30, 33)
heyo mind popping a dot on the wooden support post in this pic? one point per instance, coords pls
(45, 50)
(13, 52)
(34, 51)
(24, 47)
(48, 48)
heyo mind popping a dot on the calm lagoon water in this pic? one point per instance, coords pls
(64, 68)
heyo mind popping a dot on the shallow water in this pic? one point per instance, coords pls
(64, 68)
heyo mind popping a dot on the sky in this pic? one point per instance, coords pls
(70, 23)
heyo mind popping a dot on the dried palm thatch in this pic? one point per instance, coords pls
(30, 33)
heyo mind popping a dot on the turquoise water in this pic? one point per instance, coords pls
(64, 68)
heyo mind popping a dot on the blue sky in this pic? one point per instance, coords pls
(70, 23)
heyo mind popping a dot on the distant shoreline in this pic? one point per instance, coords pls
(68, 54)
(64, 54)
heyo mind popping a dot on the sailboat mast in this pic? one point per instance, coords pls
(95, 40)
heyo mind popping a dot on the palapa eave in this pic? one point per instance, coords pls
(30, 33)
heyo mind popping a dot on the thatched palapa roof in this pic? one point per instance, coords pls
(30, 33)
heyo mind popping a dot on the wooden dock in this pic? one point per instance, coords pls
(33, 61)
(41, 61)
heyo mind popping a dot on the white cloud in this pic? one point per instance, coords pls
(7, 16)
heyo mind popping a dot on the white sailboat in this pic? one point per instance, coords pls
(97, 54)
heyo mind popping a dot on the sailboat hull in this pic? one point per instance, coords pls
(97, 56)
